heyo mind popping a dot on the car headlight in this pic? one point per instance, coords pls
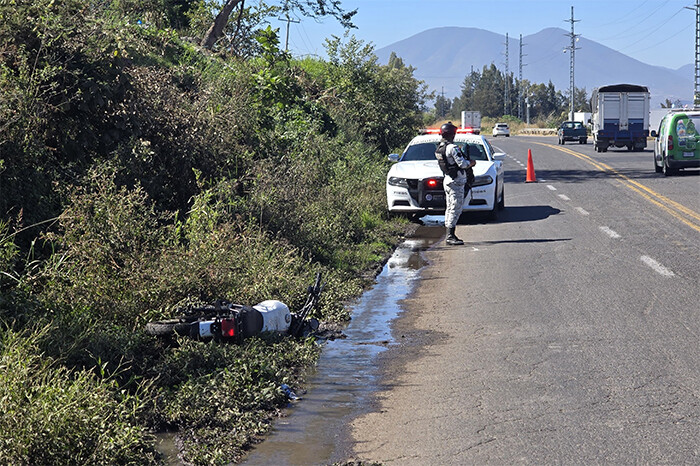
(396, 181)
(482, 180)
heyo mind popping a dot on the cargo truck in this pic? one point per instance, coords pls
(471, 119)
(620, 117)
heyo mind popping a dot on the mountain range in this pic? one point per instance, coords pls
(444, 56)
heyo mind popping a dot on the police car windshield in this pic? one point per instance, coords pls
(426, 151)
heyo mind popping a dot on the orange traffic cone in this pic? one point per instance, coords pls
(530, 169)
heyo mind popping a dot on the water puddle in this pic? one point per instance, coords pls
(345, 376)
(167, 446)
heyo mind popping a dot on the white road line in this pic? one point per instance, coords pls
(611, 233)
(564, 197)
(581, 211)
(551, 188)
(658, 268)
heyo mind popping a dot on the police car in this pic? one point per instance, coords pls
(414, 182)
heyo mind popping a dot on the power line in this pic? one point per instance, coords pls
(306, 42)
(656, 44)
(624, 32)
(620, 19)
(650, 34)
(289, 20)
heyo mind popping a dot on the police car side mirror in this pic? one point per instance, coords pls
(394, 157)
(499, 156)
(653, 133)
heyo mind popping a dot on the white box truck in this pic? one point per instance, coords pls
(583, 117)
(620, 117)
(471, 119)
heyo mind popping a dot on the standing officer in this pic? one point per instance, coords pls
(454, 165)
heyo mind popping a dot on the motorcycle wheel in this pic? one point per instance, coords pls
(162, 327)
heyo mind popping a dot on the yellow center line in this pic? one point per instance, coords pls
(675, 209)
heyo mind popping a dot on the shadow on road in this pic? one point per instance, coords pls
(516, 241)
(688, 173)
(580, 176)
(512, 214)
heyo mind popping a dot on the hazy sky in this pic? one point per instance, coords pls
(657, 32)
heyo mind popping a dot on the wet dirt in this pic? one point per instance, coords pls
(166, 444)
(314, 429)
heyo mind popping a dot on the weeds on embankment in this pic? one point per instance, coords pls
(140, 173)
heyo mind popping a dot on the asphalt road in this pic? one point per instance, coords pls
(566, 331)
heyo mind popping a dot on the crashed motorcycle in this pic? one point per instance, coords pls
(228, 322)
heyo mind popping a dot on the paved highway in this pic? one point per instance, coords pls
(566, 331)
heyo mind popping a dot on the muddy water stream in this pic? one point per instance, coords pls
(312, 431)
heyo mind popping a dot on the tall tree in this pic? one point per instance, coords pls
(395, 61)
(581, 101)
(465, 100)
(311, 8)
(488, 94)
(443, 106)
(385, 102)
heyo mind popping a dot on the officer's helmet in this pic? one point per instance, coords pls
(448, 130)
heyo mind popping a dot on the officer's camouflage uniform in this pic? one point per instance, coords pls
(454, 187)
(454, 166)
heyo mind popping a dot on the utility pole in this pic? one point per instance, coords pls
(527, 108)
(288, 20)
(572, 48)
(506, 96)
(696, 90)
(520, 79)
(442, 103)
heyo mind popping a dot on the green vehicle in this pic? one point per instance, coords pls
(572, 131)
(677, 143)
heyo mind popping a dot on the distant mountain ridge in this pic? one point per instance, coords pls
(444, 56)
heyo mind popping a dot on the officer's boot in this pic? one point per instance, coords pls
(452, 239)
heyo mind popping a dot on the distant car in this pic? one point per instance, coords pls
(414, 183)
(677, 143)
(572, 131)
(501, 129)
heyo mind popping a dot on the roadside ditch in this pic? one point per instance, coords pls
(346, 376)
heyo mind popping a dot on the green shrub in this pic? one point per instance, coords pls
(223, 396)
(106, 237)
(8, 255)
(177, 177)
(52, 416)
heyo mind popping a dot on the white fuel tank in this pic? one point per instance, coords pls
(276, 315)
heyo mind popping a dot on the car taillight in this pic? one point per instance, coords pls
(228, 328)
(670, 142)
(431, 183)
